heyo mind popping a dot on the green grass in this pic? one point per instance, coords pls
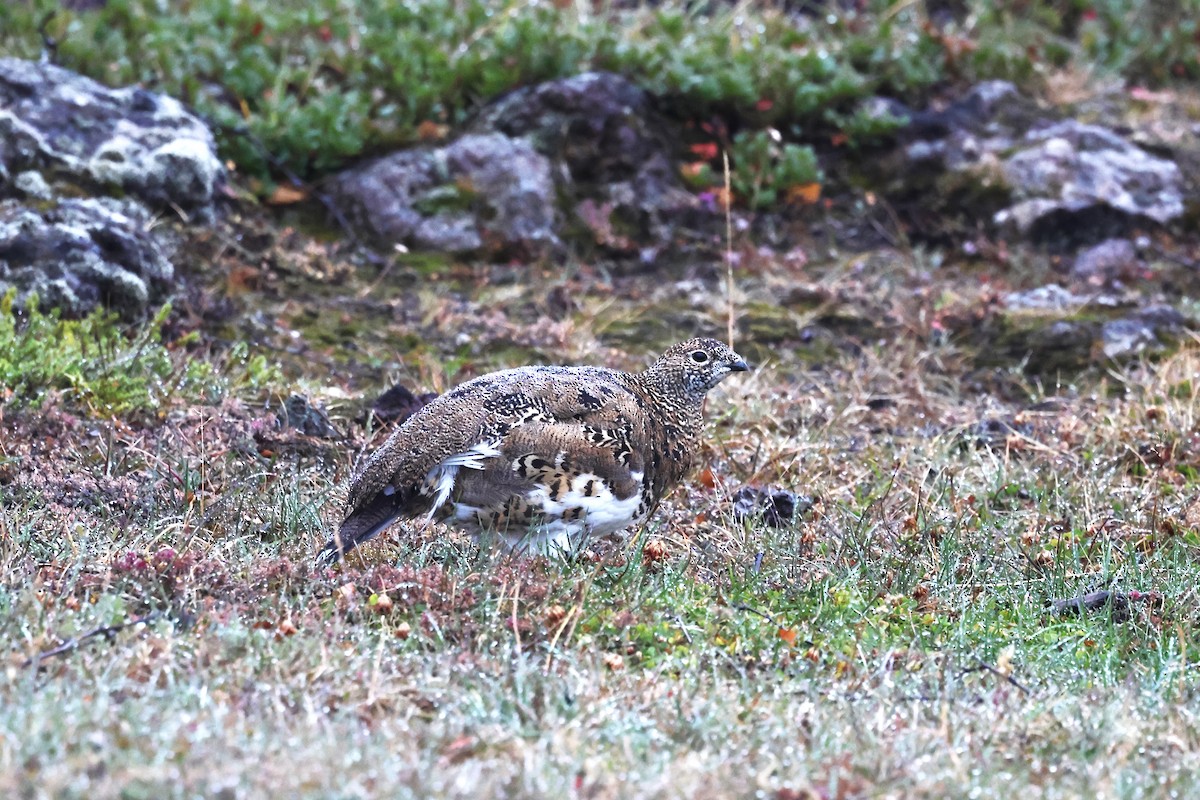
(92, 363)
(103, 367)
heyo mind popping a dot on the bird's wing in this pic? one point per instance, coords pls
(568, 462)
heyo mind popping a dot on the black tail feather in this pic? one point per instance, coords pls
(361, 526)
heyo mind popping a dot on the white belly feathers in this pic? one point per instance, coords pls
(535, 521)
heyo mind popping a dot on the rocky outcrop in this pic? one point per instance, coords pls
(1051, 330)
(66, 128)
(614, 155)
(1070, 168)
(994, 156)
(62, 135)
(78, 254)
(583, 157)
(487, 192)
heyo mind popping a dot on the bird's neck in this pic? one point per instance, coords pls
(668, 388)
(678, 416)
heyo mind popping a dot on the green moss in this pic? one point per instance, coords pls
(103, 367)
(443, 199)
(657, 329)
(767, 324)
(425, 263)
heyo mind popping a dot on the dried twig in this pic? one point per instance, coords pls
(728, 248)
(984, 666)
(753, 610)
(107, 631)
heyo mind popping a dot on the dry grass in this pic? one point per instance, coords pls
(894, 642)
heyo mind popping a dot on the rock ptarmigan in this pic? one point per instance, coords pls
(542, 458)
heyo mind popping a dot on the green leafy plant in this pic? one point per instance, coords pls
(764, 170)
(317, 84)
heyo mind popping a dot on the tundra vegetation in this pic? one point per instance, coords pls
(919, 628)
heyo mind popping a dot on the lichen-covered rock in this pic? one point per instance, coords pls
(585, 155)
(995, 155)
(614, 155)
(1073, 167)
(1049, 330)
(1148, 330)
(1107, 262)
(73, 129)
(948, 160)
(489, 193)
(1051, 297)
(78, 254)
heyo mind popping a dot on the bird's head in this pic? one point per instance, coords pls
(693, 367)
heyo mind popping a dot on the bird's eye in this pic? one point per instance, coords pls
(699, 356)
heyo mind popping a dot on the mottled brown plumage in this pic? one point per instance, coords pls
(542, 457)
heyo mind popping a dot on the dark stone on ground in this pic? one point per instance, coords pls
(996, 433)
(943, 174)
(1147, 330)
(311, 420)
(1105, 263)
(776, 507)
(398, 404)
(1094, 601)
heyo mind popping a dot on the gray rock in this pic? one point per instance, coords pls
(306, 417)
(1108, 261)
(79, 254)
(514, 183)
(73, 129)
(1072, 167)
(946, 164)
(777, 508)
(586, 153)
(1094, 601)
(986, 118)
(1051, 297)
(483, 192)
(1048, 330)
(31, 184)
(1148, 330)
(994, 155)
(614, 156)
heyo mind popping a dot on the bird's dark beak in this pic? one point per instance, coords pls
(739, 366)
